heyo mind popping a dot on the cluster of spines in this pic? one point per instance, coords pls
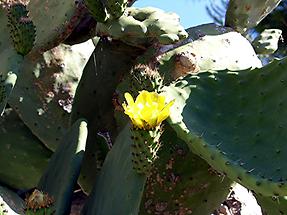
(39, 203)
(146, 144)
(145, 78)
(22, 29)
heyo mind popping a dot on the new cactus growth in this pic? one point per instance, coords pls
(39, 203)
(22, 29)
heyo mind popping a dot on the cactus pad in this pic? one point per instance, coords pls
(141, 27)
(181, 182)
(222, 53)
(45, 90)
(63, 170)
(272, 206)
(62, 16)
(115, 8)
(22, 29)
(118, 184)
(108, 64)
(245, 14)
(23, 157)
(97, 10)
(236, 121)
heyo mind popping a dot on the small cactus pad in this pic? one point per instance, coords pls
(22, 29)
(118, 189)
(142, 26)
(45, 89)
(267, 41)
(63, 170)
(146, 144)
(245, 14)
(10, 202)
(236, 121)
(23, 156)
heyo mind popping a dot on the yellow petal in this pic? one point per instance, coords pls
(129, 99)
(165, 112)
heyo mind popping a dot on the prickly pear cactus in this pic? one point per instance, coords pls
(140, 27)
(223, 45)
(118, 184)
(106, 67)
(62, 16)
(272, 206)
(251, 104)
(115, 8)
(181, 182)
(45, 90)
(39, 202)
(22, 29)
(10, 61)
(97, 10)
(245, 14)
(23, 156)
(63, 170)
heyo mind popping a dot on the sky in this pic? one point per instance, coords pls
(191, 12)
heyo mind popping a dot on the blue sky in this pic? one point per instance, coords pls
(191, 12)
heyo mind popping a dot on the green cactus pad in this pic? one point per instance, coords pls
(273, 206)
(236, 122)
(223, 46)
(245, 14)
(115, 8)
(23, 157)
(10, 62)
(181, 182)
(106, 67)
(97, 10)
(146, 144)
(141, 27)
(45, 89)
(267, 41)
(10, 202)
(22, 29)
(118, 189)
(63, 170)
(54, 21)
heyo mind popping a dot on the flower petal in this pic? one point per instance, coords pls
(129, 99)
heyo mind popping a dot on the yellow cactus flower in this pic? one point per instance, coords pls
(148, 110)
